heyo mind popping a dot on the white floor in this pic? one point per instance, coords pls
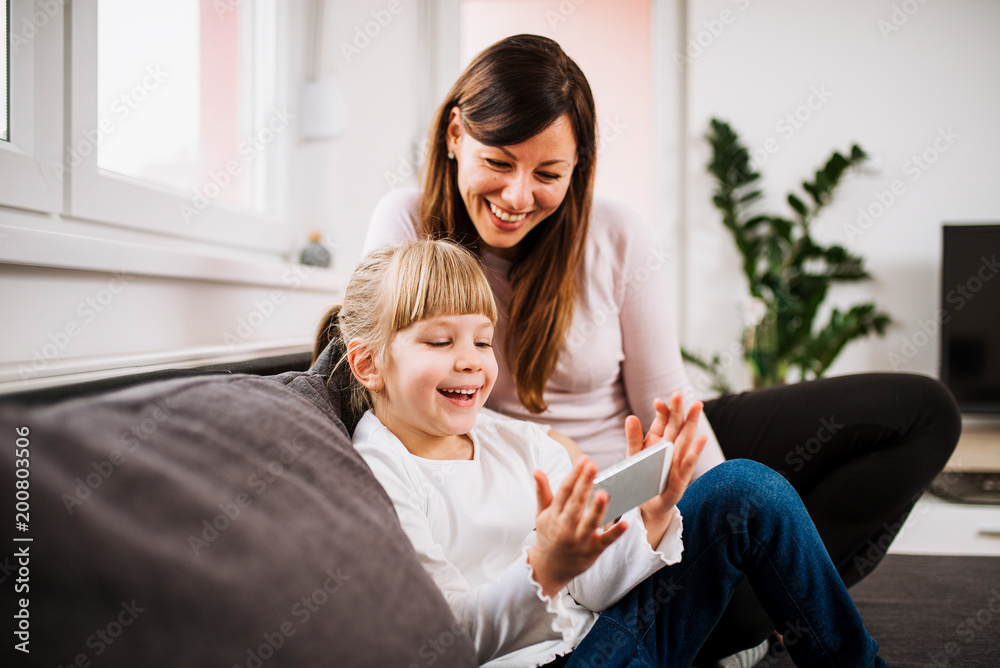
(936, 526)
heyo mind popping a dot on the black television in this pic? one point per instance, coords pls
(970, 316)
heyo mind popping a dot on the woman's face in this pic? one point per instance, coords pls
(508, 190)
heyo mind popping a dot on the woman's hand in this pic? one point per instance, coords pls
(568, 541)
(671, 424)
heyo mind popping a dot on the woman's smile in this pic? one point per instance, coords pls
(509, 190)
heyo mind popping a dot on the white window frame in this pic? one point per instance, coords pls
(102, 196)
(27, 177)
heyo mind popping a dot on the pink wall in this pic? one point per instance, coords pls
(610, 41)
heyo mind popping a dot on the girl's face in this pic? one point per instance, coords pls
(508, 190)
(439, 373)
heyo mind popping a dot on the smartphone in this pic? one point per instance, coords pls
(633, 481)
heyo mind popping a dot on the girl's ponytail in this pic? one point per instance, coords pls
(329, 329)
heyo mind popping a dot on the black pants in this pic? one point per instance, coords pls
(860, 450)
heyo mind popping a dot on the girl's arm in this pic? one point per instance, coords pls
(500, 616)
(655, 537)
(568, 524)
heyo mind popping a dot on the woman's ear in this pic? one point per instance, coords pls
(454, 132)
(362, 362)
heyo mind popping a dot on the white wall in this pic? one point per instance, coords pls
(899, 84)
(892, 94)
(372, 47)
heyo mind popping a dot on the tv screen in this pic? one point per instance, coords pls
(970, 317)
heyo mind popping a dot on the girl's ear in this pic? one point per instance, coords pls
(362, 362)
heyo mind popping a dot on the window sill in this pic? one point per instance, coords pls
(41, 240)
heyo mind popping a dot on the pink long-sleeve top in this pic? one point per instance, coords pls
(622, 349)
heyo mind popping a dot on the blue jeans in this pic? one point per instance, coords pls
(740, 519)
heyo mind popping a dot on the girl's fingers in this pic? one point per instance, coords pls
(595, 513)
(567, 485)
(542, 490)
(611, 535)
(580, 496)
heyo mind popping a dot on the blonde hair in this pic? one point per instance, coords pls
(396, 286)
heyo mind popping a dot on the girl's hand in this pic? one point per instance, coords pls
(671, 424)
(568, 541)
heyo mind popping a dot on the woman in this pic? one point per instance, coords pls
(585, 336)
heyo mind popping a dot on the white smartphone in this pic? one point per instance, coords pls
(633, 481)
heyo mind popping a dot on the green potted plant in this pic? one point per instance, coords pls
(788, 272)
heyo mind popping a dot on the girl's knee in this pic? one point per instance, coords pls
(745, 479)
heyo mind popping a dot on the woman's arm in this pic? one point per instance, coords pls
(572, 449)
(394, 219)
(652, 365)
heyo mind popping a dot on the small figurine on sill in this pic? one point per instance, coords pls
(314, 253)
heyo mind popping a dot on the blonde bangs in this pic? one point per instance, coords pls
(433, 278)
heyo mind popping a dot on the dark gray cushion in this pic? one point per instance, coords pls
(215, 521)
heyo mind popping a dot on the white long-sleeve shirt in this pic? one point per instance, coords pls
(622, 349)
(472, 522)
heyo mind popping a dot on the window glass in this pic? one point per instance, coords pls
(186, 97)
(4, 59)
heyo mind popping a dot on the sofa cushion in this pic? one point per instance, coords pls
(214, 521)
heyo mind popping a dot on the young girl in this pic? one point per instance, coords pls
(510, 529)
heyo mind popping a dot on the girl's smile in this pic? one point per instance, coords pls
(438, 375)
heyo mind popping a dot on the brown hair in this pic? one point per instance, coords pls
(396, 286)
(512, 91)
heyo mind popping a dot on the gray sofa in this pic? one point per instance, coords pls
(209, 519)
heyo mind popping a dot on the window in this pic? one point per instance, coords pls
(31, 111)
(158, 117)
(184, 90)
(176, 123)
